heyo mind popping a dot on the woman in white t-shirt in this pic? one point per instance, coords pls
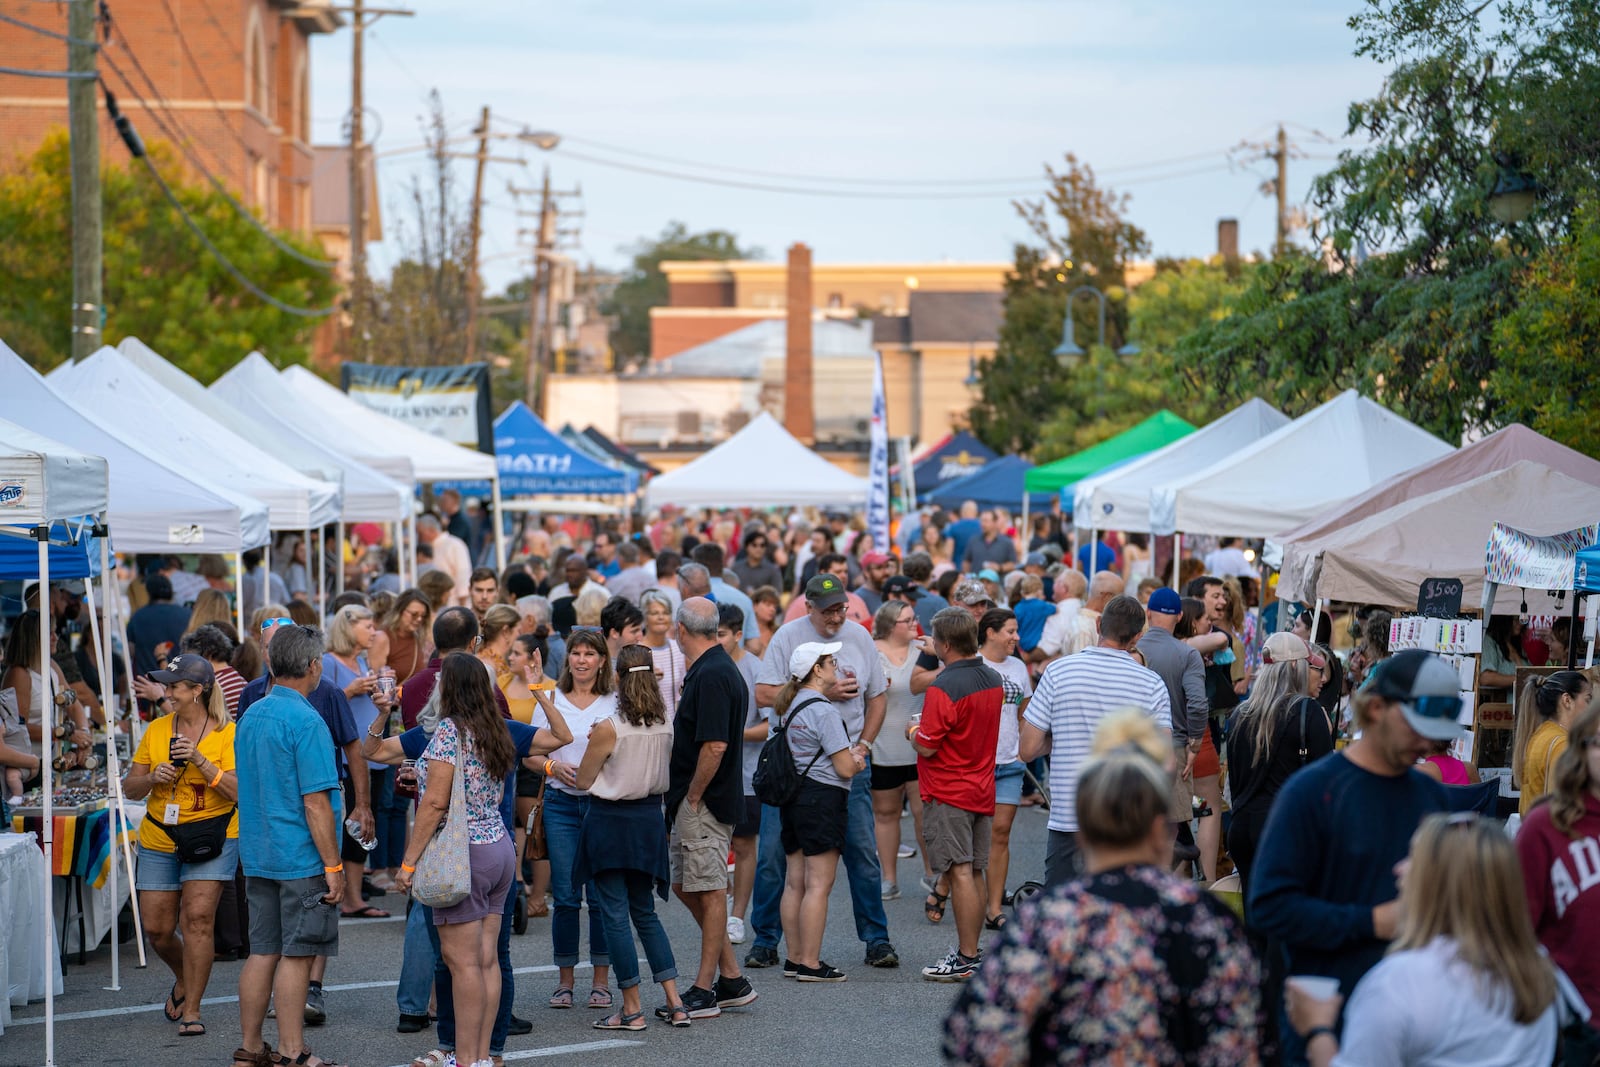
(664, 651)
(585, 695)
(1464, 984)
(997, 643)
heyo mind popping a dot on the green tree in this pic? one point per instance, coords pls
(1546, 349)
(161, 285)
(1413, 269)
(645, 286)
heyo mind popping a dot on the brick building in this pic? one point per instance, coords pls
(232, 77)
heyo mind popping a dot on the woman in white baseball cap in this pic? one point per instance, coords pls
(814, 819)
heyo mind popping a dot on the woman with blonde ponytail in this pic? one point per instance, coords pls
(1128, 963)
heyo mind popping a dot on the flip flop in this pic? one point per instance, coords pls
(366, 911)
(175, 1012)
(192, 1028)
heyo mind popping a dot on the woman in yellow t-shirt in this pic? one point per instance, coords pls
(183, 771)
(527, 688)
(1543, 717)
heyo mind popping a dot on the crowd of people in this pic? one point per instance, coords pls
(595, 718)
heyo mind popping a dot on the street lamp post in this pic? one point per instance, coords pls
(1069, 353)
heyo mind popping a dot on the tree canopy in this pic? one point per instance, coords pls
(161, 285)
(645, 286)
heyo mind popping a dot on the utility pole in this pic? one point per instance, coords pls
(84, 127)
(547, 269)
(474, 281)
(1282, 184)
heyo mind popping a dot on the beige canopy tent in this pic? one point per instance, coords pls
(1383, 558)
(1498, 451)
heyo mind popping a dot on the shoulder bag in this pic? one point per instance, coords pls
(444, 871)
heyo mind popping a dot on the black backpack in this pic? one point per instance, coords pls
(777, 778)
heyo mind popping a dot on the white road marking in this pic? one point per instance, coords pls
(561, 1050)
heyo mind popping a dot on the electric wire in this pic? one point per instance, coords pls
(48, 32)
(64, 75)
(194, 64)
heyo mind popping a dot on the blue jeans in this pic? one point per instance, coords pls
(417, 962)
(389, 819)
(442, 984)
(563, 821)
(625, 893)
(860, 865)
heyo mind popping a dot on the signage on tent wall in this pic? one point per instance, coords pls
(188, 534)
(449, 402)
(13, 494)
(1439, 598)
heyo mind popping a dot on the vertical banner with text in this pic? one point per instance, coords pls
(448, 402)
(878, 470)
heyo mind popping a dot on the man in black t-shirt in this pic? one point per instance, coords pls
(705, 797)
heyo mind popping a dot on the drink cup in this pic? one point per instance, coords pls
(1315, 986)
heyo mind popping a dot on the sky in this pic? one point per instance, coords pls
(939, 111)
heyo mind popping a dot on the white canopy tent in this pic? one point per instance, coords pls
(152, 507)
(109, 387)
(1327, 455)
(42, 480)
(1383, 558)
(762, 465)
(434, 458)
(367, 495)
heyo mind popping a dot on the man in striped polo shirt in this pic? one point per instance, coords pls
(1073, 695)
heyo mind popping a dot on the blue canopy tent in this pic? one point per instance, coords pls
(960, 455)
(619, 452)
(998, 483)
(534, 461)
(69, 558)
(1585, 579)
(582, 444)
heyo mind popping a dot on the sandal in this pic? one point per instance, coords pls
(933, 907)
(561, 998)
(994, 922)
(619, 1021)
(191, 1028)
(173, 1008)
(243, 1057)
(304, 1060)
(436, 1058)
(600, 997)
(678, 1015)
(366, 911)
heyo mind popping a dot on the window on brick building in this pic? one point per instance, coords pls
(302, 99)
(256, 68)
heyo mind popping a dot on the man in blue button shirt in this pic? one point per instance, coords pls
(288, 843)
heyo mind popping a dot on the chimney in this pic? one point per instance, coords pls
(1228, 239)
(798, 416)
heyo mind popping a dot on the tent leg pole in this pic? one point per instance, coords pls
(320, 599)
(338, 564)
(499, 526)
(1023, 533)
(47, 767)
(238, 595)
(1572, 646)
(1094, 552)
(1592, 606)
(266, 579)
(1316, 618)
(1177, 560)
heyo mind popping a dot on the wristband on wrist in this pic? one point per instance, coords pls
(549, 768)
(333, 870)
(408, 868)
(217, 779)
(1318, 1031)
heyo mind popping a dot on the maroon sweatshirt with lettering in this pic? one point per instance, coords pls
(1562, 876)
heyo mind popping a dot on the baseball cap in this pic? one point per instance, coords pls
(1282, 647)
(969, 592)
(1427, 689)
(1035, 559)
(805, 656)
(874, 559)
(899, 583)
(824, 591)
(72, 585)
(989, 574)
(187, 668)
(1165, 601)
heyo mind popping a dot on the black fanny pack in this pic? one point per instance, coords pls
(200, 840)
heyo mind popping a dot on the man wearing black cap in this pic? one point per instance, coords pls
(899, 588)
(1323, 883)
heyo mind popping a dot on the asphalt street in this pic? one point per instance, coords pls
(881, 1017)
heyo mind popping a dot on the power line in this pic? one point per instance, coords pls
(64, 75)
(183, 43)
(283, 246)
(155, 95)
(47, 32)
(227, 264)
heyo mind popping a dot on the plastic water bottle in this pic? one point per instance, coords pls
(353, 827)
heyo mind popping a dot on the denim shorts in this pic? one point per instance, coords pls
(1008, 783)
(163, 872)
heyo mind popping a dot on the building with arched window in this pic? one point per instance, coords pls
(228, 80)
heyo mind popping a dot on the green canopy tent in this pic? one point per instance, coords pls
(1158, 431)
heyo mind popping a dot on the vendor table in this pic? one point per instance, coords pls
(24, 971)
(83, 854)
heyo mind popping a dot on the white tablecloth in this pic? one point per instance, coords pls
(23, 919)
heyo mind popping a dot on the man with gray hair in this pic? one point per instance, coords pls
(450, 554)
(631, 579)
(705, 798)
(694, 580)
(535, 612)
(289, 812)
(1070, 588)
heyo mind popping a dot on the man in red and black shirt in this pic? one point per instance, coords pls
(955, 742)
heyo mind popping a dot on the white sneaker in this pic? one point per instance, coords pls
(907, 852)
(736, 929)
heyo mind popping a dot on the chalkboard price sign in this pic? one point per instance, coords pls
(1439, 598)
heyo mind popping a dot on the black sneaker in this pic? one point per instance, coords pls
(882, 955)
(518, 1027)
(789, 967)
(823, 973)
(761, 956)
(954, 967)
(734, 992)
(702, 1003)
(411, 1024)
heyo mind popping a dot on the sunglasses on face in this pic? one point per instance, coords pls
(267, 624)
